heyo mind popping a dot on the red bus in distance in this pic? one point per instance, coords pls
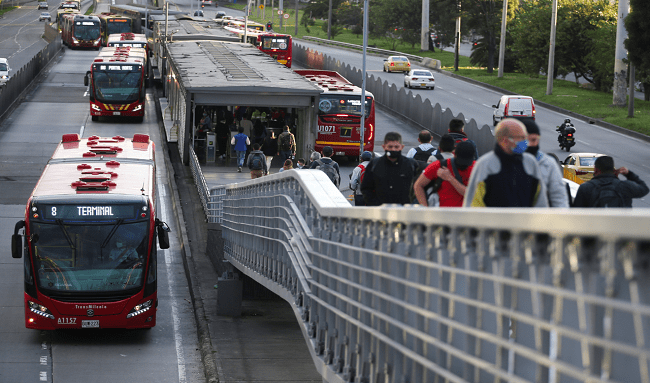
(89, 236)
(80, 31)
(339, 114)
(278, 46)
(118, 82)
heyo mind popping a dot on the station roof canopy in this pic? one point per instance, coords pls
(226, 73)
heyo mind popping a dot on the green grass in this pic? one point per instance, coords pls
(566, 94)
(5, 10)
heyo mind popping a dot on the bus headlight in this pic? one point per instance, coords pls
(40, 310)
(139, 309)
(139, 107)
(95, 107)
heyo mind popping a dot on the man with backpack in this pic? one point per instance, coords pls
(607, 190)
(453, 175)
(445, 151)
(286, 145)
(257, 162)
(240, 143)
(424, 150)
(457, 131)
(357, 177)
(328, 166)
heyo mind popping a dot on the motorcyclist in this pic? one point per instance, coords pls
(562, 128)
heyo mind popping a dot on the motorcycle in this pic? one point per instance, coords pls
(566, 135)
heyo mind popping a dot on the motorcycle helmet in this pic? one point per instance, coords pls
(567, 121)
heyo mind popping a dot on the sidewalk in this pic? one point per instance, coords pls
(265, 344)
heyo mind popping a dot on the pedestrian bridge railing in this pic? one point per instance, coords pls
(411, 294)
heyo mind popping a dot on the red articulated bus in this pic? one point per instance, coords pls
(130, 40)
(277, 46)
(79, 31)
(339, 114)
(112, 23)
(118, 83)
(89, 236)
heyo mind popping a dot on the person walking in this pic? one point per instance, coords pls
(328, 166)
(388, 178)
(357, 176)
(257, 162)
(313, 158)
(507, 176)
(300, 163)
(451, 174)
(286, 144)
(607, 190)
(240, 142)
(552, 176)
(269, 148)
(457, 131)
(423, 151)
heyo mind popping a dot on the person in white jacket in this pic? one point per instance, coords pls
(556, 189)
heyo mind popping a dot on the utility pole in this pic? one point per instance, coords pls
(363, 78)
(630, 105)
(329, 22)
(424, 35)
(281, 8)
(456, 54)
(296, 32)
(551, 51)
(620, 68)
(502, 42)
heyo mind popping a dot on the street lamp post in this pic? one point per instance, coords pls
(363, 77)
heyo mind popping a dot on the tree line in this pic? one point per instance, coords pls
(585, 35)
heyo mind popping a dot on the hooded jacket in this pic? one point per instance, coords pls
(633, 187)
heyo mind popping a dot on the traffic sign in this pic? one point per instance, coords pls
(261, 6)
(280, 11)
(286, 15)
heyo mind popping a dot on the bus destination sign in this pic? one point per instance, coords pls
(90, 212)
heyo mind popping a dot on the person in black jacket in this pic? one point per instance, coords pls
(457, 131)
(269, 148)
(607, 190)
(388, 178)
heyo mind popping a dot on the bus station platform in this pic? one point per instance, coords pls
(263, 345)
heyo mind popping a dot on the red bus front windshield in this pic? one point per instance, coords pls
(89, 258)
(86, 30)
(275, 42)
(117, 83)
(342, 104)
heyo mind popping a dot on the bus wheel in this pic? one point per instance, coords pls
(94, 118)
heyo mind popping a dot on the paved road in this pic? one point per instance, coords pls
(168, 352)
(475, 102)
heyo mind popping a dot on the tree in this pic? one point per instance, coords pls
(637, 24)
(579, 46)
(485, 17)
(397, 20)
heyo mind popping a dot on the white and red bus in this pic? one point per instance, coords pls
(112, 23)
(117, 83)
(130, 40)
(339, 114)
(80, 31)
(89, 236)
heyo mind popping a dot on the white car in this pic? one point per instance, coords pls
(419, 78)
(45, 16)
(517, 106)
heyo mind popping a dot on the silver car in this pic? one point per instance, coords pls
(45, 16)
(419, 78)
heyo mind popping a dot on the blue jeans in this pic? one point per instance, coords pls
(284, 155)
(241, 156)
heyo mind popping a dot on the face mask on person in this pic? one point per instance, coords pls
(520, 146)
(533, 150)
(393, 153)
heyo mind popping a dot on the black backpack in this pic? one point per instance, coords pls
(256, 162)
(285, 142)
(422, 155)
(608, 196)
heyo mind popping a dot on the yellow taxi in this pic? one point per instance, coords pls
(579, 167)
(397, 64)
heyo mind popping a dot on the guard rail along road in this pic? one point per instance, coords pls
(408, 294)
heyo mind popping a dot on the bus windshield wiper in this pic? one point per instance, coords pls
(65, 233)
(113, 230)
